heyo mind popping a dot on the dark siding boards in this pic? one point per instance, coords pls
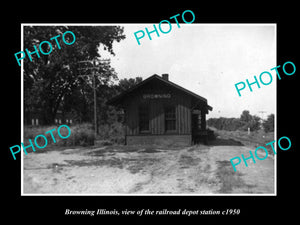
(156, 117)
(182, 105)
(131, 119)
(183, 115)
(169, 106)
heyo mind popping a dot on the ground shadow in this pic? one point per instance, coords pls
(222, 141)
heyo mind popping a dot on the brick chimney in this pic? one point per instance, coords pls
(165, 76)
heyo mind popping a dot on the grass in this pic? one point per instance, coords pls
(112, 162)
(254, 139)
(111, 134)
(81, 135)
(188, 160)
(229, 178)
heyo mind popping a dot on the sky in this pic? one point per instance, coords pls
(207, 59)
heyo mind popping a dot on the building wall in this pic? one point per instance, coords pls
(157, 105)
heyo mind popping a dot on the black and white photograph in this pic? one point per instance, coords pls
(130, 109)
(149, 113)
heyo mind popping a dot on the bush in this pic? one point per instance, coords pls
(113, 133)
(81, 134)
(268, 124)
(30, 132)
(249, 121)
(245, 121)
(222, 123)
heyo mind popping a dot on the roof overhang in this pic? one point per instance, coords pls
(117, 100)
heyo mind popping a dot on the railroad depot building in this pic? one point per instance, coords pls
(158, 111)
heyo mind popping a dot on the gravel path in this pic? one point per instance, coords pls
(124, 170)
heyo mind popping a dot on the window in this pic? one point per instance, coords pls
(144, 118)
(170, 118)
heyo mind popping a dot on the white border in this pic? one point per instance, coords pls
(126, 24)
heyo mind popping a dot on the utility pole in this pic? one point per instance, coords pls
(95, 105)
(93, 75)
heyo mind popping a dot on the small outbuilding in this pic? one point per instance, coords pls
(158, 111)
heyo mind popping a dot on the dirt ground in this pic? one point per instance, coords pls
(197, 169)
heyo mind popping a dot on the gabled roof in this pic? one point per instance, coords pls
(121, 96)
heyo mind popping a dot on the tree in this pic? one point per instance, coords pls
(110, 114)
(245, 116)
(125, 84)
(249, 121)
(245, 121)
(48, 80)
(268, 124)
(254, 124)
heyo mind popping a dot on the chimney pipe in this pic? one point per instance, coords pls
(165, 76)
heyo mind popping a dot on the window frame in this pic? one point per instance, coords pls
(170, 117)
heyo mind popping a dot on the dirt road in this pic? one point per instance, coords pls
(131, 170)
